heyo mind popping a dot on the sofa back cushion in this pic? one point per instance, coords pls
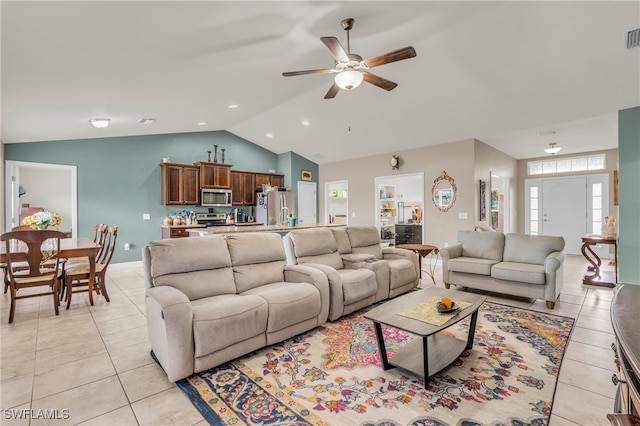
(365, 239)
(483, 245)
(523, 248)
(316, 245)
(342, 239)
(199, 267)
(258, 258)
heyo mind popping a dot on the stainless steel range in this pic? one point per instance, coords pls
(211, 219)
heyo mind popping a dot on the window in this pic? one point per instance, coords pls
(596, 208)
(566, 165)
(533, 210)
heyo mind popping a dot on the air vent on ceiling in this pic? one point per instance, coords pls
(633, 38)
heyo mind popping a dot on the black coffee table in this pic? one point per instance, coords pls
(438, 350)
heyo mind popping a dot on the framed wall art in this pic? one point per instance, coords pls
(306, 175)
(483, 200)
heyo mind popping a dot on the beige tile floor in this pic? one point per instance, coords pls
(94, 360)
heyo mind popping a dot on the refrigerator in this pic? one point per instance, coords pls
(273, 207)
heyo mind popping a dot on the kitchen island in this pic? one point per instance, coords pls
(199, 232)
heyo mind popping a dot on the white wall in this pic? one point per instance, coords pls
(48, 188)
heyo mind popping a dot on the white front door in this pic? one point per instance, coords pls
(564, 210)
(307, 202)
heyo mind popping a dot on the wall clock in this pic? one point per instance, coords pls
(394, 162)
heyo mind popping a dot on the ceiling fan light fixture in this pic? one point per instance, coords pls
(100, 122)
(553, 149)
(349, 79)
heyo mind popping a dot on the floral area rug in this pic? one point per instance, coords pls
(332, 375)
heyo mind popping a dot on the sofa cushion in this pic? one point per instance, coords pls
(402, 272)
(534, 249)
(471, 265)
(483, 245)
(357, 284)
(289, 303)
(176, 255)
(365, 239)
(316, 246)
(200, 284)
(521, 272)
(342, 239)
(221, 321)
(258, 247)
(255, 275)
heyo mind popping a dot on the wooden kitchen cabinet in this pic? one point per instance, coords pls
(243, 186)
(180, 184)
(273, 180)
(214, 175)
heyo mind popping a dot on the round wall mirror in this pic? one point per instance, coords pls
(443, 192)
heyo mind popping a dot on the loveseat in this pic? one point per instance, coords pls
(212, 299)
(360, 272)
(516, 264)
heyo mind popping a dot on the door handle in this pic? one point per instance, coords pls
(546, 220)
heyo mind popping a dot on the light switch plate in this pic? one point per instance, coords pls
(462, 215)
(146, 216)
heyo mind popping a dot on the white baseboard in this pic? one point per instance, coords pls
(125, 266)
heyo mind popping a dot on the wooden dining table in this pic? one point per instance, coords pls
(69, 247)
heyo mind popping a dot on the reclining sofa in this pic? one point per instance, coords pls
(212, 299)
(516, 264)
(359, 271)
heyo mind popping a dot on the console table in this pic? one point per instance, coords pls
(594, 275)
(423, 250)
(625, 318)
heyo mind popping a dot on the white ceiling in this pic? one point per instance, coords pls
(501, 72)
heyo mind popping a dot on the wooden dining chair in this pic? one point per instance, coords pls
(19, 266)
(99, 233)
(75, 277)
(41, 249)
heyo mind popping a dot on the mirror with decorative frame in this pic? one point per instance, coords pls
(443, 192)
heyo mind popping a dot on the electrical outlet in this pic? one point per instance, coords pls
(446, 244)
(146, 216)
(353, 214)
(127, 246)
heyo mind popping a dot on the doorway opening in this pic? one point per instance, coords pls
(499, 202)
(337, 202)
(399, 208)
(52, 187)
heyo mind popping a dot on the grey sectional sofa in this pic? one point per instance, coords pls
(516, 264)
(212, 299)
(360, 272)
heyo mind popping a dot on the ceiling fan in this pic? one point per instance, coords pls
(349, 67)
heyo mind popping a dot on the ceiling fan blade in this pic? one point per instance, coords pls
(335, 48)
(333, 91)
(383, 83)
(396, 55)
(292, 73)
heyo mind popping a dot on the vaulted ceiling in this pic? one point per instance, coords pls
(502, 72)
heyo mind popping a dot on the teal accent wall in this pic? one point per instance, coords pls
(292, 165)
(629, 195)
(119, 179)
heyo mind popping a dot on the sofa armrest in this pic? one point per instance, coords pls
(170, 328)
(381, 269)
(308, 274)
(447, 253)
(554, 272)
(336, 295)
(389, 253)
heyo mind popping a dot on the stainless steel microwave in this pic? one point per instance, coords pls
(215, 197)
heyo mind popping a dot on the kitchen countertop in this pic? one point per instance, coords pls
(254, 228)
(183, 226)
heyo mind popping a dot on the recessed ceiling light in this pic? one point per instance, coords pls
(269, 135)
(318, 155)
(202, 123)
(232, 106)
(146, 120)
(100, 122)
(306, 123)
(547, 133)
